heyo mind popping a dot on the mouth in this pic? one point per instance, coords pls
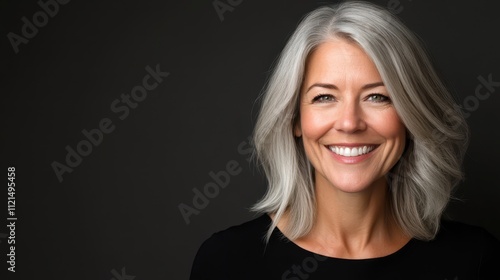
(351, 151)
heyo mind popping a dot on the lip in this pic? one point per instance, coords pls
(354, 159)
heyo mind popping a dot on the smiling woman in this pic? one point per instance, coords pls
(350, 130)
(358, 177)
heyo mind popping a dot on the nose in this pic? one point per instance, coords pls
(350, 118)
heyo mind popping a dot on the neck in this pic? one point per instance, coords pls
(354, 225)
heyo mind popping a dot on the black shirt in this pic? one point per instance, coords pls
(458, 252)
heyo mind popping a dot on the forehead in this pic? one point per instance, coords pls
(339, 59)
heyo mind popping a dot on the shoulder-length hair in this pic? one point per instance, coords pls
(422, 181)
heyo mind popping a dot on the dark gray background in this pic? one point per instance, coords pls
(119, 207)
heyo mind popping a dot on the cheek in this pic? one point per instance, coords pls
(391, 127)
(314, 125)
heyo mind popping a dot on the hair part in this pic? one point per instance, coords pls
(422, 181)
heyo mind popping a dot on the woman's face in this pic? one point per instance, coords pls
(351, 132)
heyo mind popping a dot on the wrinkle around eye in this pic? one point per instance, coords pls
(323, 98)
(382, 98)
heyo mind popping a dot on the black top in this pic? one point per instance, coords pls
(458, 252)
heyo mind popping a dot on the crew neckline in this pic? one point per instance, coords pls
(280, 237)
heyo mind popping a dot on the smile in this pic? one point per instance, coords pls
(351, 151)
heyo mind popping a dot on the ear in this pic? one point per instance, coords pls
(297, 130)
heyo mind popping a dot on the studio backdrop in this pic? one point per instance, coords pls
(127, 124)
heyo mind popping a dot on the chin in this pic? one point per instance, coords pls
(351, 188)
(355, 184)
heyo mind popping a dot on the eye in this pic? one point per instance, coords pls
(378, 98)
(321, 98)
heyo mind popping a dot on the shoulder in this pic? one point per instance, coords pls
(468, 244)
(247, 234)
(466, 234)
(226, 252)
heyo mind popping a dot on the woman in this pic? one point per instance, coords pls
(362, 146)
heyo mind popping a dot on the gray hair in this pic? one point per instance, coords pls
(422, 182)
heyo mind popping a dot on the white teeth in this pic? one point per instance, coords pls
(351, 151)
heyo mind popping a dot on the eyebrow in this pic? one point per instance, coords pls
(332, 86)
